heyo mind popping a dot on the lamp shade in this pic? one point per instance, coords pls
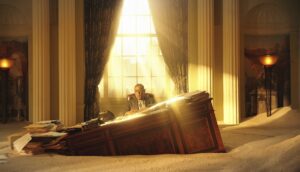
(268, 60)
(6, 63)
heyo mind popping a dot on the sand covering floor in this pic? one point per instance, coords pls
(258, 144)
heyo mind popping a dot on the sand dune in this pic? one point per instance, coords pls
(259, 144)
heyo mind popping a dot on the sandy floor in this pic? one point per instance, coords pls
(258, 144)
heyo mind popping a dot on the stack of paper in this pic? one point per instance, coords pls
(21, 142)
(3, 158)
(39, 128)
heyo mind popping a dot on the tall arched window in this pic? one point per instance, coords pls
(135, 57)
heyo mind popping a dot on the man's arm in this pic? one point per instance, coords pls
(130, 105)
(150, 100)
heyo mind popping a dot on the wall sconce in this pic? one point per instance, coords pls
(5, 65)
(268, 61)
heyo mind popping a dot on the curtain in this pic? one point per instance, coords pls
(170, 20)
(101, 25)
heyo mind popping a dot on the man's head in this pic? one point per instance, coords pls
(139, 91)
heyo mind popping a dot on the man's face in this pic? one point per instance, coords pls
(139, 92)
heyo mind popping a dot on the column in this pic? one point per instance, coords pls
(205, 45)
(231, 61)
(40, 61)
(192, 45)
(67, 61)
(294, 55)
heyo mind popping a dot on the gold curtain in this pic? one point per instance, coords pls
(170, 19)
(101, 25)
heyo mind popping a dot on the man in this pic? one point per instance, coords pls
(139, 100)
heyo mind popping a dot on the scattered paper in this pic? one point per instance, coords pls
(48, 134)
(3, 158)
(21, 142)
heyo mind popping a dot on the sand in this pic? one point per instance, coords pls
(258, 144)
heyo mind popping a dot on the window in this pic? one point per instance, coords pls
(136, 56)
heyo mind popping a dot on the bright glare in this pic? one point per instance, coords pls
(5, 63)
(136, 56)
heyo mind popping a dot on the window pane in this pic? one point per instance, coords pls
(155, 45)
(129, 46)
(152, 27)
(115, 63)
(129, 66)
(136, 56)
(128, 86)
(116, 49)
(114, 87)
(128, 24)
(143, 24)
(146, 81)
(158, 85)
(143, 66)
(158, 67)
(129, 7)
(142, 7)
(143, 45)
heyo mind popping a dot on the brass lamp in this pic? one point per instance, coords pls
(5, 65)
(268, 60)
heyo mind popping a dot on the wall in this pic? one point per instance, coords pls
(54, 58)
(218, 62)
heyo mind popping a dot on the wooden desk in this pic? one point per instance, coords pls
(185, 125)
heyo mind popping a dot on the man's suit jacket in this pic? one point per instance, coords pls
(133, 101)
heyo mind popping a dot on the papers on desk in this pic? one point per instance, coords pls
(48, 134)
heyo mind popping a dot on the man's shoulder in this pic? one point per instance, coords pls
(130, 97)
(149, 95)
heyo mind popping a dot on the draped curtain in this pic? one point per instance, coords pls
(170, 20)
(101, 25)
